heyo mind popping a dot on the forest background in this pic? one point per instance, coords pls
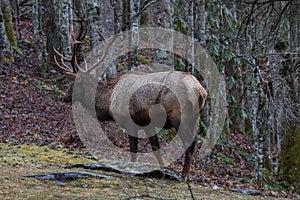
(255, 44)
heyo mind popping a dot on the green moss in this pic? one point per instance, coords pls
(222, 157)
(290, 158)
(17, 161)
(38, 156)
(10, 34)
(143, 60)
(7, 59)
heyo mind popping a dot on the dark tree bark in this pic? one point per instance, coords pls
(50, 29)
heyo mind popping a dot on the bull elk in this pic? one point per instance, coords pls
(109, 102)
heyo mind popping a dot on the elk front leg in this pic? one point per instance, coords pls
(133, 147)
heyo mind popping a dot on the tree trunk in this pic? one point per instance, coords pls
(289, 160)
(131, 22)
(94, 25)
(36, 27)
(107, 18)
(162, 17)
(65, 24)
(7, 37)
(108, 28)
(7, 16)
(289, 166)
(256, 120)
(16, 12)
(50, 29)
(200, 21)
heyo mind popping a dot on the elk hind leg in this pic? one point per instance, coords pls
(133, 147)
(156, 149)
(188, 140)
(187, 161)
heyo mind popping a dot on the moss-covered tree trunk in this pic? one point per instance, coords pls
(289, 160)
(7, 15)
(289, 166)
(5, 48)
(7, 35)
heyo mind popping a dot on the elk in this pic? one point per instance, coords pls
(110, 106)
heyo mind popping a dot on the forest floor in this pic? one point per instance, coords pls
(16, 162)
(33, 115)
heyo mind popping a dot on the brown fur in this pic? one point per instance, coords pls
(110, 105)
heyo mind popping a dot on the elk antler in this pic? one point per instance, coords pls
(73, 59)
(105, 50)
